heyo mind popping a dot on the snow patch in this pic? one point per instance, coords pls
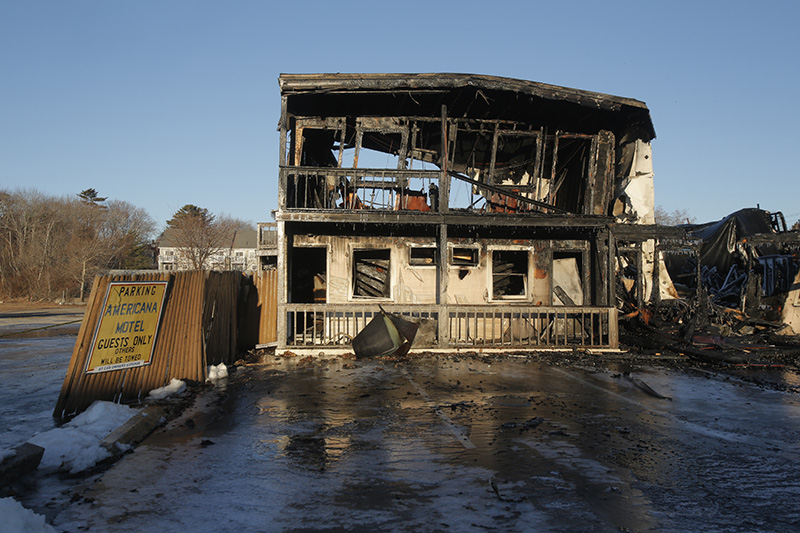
(175, 386)
(75, 446)
(217, 372)
(18, 519)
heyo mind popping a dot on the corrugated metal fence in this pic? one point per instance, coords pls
(267, 287)
(198, 328)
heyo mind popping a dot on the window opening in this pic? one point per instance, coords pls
(380, 151)
(509, 273)
(371, 273)
(515, 158)
(568, 278)
(569, 173)
(464, 257)
(422, 256)
(308, 275)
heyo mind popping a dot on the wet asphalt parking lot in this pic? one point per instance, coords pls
(458, 443)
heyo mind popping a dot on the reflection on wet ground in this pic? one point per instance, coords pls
(32, 371)
(26, 322)
(461, 444)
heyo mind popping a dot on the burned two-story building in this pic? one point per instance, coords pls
(482, 208)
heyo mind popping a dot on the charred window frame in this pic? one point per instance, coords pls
(372, 273)
(422, 132)
(464, 256)
(555, 168)
(423, 256)
(383, 135)
(568, 162)
(510, 268)
(318, 142)
(515, 158)
(315, 143)
(338, 141)
(471, 146)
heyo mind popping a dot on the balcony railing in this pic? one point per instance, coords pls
(267, 235)
(468, 326)
(532, 327)
(338, 188)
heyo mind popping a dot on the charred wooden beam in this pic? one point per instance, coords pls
(506, 192)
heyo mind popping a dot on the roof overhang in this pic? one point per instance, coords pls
(634, 112)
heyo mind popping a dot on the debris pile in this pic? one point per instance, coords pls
(736, 293)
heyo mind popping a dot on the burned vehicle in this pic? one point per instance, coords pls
(487, 210)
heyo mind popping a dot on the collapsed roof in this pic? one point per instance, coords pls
(466, 96)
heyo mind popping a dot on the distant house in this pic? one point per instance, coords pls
(239, 254)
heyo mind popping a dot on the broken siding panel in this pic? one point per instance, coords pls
(567, 283)
(416, 282)
(468, 273)
(791, 308)
(635, 192)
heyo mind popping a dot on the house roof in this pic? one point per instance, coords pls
(465, 95)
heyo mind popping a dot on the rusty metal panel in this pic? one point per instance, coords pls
(198, 326)
(267, 287)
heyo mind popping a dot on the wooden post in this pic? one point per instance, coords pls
(442, 281)
(443, 273)
(283, 254)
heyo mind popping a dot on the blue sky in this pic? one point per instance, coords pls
(169, 102)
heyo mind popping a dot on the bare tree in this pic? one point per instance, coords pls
(131, 229)
(673, 218)
(52, 246)
(198, 235)
(104, 236)
(33, 229)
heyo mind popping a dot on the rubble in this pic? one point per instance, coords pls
(736, 287)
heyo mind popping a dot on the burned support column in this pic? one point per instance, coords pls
(283, 282)
(655, 297)
(609, 272)
(442, 278)
(444, 175)
(283, 250)
(443, 273)
(641, 288)
(542, 282)
(284, 128)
